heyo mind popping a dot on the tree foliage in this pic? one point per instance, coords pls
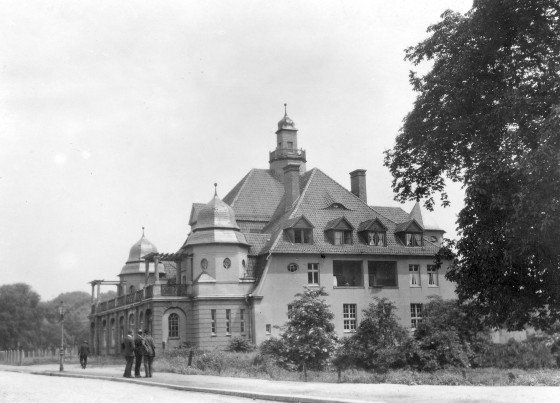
(487, 114)
(307, 339)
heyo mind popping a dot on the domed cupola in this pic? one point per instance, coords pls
(287, 151)
(216, 215)
(135, 263)
(140, 249)
(216, 223)
(286, 123)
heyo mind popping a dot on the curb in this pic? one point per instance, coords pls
(228, 392)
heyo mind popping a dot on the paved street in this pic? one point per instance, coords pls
(21, 387)
(112, 387)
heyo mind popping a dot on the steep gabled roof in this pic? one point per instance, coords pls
(416, 214)
(298, 222)
(395, 214)
(370, 225)
(314, 188)
(410, 226)
(256, 197)
(339, 223)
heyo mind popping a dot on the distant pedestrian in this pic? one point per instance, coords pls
(138, 353)
(128, 346)
(83, 352)
(149, 352)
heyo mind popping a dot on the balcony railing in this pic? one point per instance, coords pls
(103, 306)
(170, 290)
(150, 291)
(139, 296)
(129, 299)
(121, 300)
(111, 303)
(281, 153)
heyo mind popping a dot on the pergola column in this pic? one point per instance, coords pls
(147, 274)
(156, 267)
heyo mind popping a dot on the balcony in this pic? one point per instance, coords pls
(174, 290)
(286, 153)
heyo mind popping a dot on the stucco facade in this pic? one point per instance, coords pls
(248, 254)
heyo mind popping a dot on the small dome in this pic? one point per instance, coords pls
(141, 248)
(216, 214)
(286, 123)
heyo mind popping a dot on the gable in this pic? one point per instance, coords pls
(372, 225)
(409, 226)
(341, 224)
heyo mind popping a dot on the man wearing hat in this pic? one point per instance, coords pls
(128, 346)
(138, 353)
(83, 352)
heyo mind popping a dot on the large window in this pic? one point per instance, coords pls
(414, 271)
(382, 274)
(415, 315)
(213, 321)
(432, 276)
(302, 235)
(242, 320)
(173, 325)
(228, 321)
(349, 315)
(313, 273)
(348, 273)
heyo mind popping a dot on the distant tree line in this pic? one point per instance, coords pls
(27, 322)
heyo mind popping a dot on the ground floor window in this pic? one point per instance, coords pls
(213, 321)
(349, 315)
(173, 325)
(415, 315)
(348, 273)
(228, 321)
(242, 320)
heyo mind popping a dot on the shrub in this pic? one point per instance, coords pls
(380, 342)
(535, 353)
(240, 345)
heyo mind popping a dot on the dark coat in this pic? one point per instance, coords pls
(148, 340)
(138, 345)
(128, 346)
(83, 351)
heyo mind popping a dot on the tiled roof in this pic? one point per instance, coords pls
(195, 209)
(395, 214)
(257, 196)
(310, 205)
(257, 242)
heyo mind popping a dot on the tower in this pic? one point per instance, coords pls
(287, 151)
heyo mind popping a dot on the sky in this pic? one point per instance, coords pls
(119, 115)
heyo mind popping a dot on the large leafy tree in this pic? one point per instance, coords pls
(487, 115)
(20, 318)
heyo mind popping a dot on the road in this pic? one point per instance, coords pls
(19, 387)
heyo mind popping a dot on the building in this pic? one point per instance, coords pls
(277, 231)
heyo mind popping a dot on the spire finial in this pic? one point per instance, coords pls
(285, 109)
(142, 231)
(215, 190)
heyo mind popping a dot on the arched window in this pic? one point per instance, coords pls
(112, 332)
(141, 321)
(121, 327)
(173, 325)
(132, 289)
(131, 322)
(104, 336)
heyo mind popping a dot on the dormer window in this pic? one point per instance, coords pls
(299, 230)
(373, 232)
(339, 231)
(413, 239)
(376, 238)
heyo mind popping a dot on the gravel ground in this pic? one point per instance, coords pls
(18, 387)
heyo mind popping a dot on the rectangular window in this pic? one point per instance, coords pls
(290, 145)
(302, 235)
(342, 237)
(413, 239)
(228, 321)
(432, 276)
(349, 315)
(348, 273)
(313, 273)
(268, 328)
(290, 307)
(415, 315)
(382, 274)
(213, 323)
(414, 271)
(242, 320)
(376, 238)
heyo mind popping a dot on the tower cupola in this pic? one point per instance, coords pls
(287, 151)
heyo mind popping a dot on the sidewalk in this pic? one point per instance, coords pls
(307, 392)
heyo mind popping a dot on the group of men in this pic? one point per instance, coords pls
(137, 348)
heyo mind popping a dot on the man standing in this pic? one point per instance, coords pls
(128, 354)
(149, 352)
(83, 352)
(138, 353)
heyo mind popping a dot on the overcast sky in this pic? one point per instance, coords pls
(118, 115)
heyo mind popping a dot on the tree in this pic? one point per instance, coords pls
(308, 338)
(20, 320)
(380, 339)
(487, 115)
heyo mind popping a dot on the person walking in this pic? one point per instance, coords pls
(149, 352)
(128, 346)
(138, 353)
(83, 352)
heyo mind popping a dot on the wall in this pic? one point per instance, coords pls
(280, 286)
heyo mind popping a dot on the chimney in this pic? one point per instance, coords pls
(358, 183)
(291, 184)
